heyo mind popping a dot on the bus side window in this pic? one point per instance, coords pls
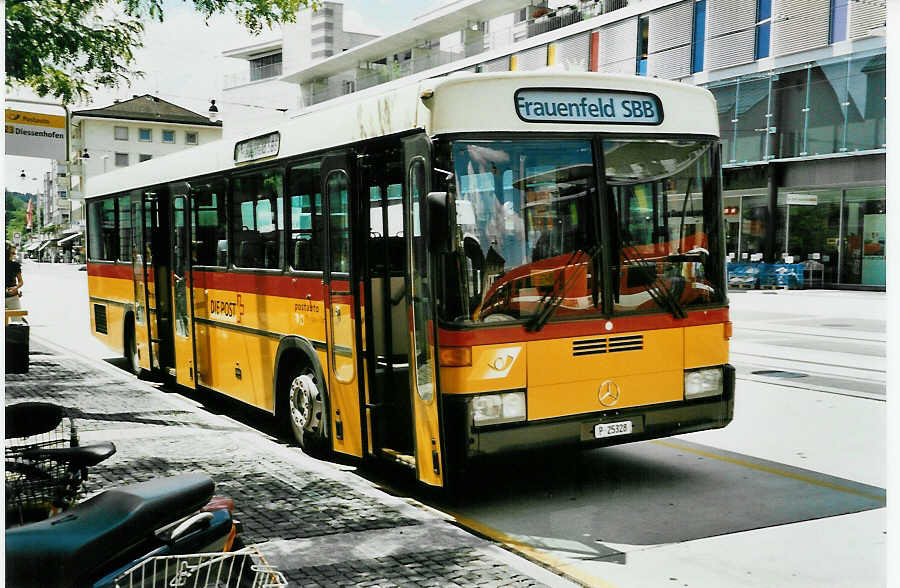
(305, 248)
(256, 224)
(208, 220)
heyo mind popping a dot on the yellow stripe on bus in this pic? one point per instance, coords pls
(775, 471)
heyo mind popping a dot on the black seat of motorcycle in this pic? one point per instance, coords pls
(65, 550)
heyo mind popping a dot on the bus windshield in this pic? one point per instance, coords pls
(527, 241)
(524, 228)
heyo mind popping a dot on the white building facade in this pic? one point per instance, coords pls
(800, 86)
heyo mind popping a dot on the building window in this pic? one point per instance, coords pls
(120, 133)
(265, 67)
(168, 136)
(144, 157)
(699, 36)
(145, 135)
(763, 28)
(121, 160)
(190, 138)
(349, 86)
(643, 45)
(838, 31)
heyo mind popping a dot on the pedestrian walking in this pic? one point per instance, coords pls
(13, 279)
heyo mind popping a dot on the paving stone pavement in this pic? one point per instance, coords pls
(318, 523)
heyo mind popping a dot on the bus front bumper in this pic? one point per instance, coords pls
(647, 422)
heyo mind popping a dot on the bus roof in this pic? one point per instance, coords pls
(458, 103)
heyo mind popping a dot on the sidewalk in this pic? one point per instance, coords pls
(317, 522)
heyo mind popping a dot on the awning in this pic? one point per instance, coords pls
(33, 245)
(44, 244)
(69, 238)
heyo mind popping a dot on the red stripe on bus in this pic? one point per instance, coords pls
(625, 324)
(110, 270)
(284, 286)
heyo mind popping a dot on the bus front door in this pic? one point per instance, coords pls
(183, 324)
(341, 301)
(423, 373)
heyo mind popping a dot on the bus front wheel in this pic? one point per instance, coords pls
(305, 408)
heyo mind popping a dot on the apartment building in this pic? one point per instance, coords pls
(130, 132)
(254, 91)
(800, 86)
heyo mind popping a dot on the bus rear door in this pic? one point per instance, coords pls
(345, 378)
(140, 268)
(183, 324)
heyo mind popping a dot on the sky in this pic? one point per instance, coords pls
(196, 50)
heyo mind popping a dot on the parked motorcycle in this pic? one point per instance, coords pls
(166, 532)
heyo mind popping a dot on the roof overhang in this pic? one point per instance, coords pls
(443, 21)
(255, 50)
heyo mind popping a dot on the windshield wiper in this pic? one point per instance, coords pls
(548, 303)
(657, 289)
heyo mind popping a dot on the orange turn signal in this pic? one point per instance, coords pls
(455, 356)
(727, 330)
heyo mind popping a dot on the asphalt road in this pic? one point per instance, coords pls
(791, 493)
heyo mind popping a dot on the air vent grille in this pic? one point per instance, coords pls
(100, 319)
(607, 345)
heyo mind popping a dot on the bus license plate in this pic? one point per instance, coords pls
(612, 429)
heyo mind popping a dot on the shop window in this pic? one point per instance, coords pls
(257, 219)
(863, 251)
(306, 247)
(754, 213)
(808, 227)
(209, 245)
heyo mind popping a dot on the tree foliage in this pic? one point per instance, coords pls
(67, 48)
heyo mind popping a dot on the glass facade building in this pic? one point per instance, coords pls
(803, 151)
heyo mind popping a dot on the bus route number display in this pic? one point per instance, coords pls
(257, 147)
(588, 106)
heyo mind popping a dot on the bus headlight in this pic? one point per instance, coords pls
(703, 383)
(490, 409)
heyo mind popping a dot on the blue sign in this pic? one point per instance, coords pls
(564, 105)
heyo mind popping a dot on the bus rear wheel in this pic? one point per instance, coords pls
(305, 409)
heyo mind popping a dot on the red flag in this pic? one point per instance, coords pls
(29, 213)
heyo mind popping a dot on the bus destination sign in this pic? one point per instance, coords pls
(257, 147)
(568, 105)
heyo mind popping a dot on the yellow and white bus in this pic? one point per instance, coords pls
(458, 267)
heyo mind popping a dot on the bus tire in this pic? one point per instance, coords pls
(305, 407)
(131, 352)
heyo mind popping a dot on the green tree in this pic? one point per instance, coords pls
(15, 213)
(67, 48)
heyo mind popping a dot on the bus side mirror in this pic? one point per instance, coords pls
(438, 227)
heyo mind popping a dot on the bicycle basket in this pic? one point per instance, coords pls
(245, 568)
(35, 487)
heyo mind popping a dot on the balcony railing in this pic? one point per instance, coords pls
(254, 74)
(376, 74)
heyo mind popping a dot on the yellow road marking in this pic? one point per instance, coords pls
(547, 560)
(776, 471)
